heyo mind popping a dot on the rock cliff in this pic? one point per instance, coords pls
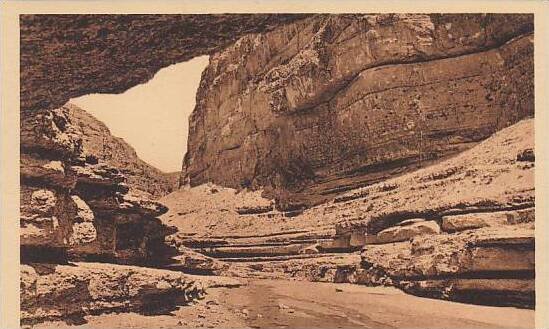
(305, 109)
(74, 194)
(333, 102)
(98, 143)
(85, 196)
(82, 202)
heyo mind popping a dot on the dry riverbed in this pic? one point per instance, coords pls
(297, 304)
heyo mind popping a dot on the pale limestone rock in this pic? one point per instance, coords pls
(404, 233)
(54, 292)
(463, 222)
(82, 233)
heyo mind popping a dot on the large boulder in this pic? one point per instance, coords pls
(406, 232)
(69, 292)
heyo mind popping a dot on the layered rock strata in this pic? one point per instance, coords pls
(314, 108)
(335, 102)
(75, 206)
(74, 202)
(461, 229)
(489, 265)
(70, 292)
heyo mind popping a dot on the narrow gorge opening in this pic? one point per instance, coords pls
(294, 170)
(152, 117)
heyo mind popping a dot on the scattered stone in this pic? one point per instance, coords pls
(404, 233)
(462, 222)
(527, 155)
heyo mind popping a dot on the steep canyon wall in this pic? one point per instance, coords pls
(85, 195)
(74, 200)
(333, 102)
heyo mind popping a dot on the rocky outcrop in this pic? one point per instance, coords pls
(474, 182)
(310, 108)
(488, 265)
(333, 102)
(402, 232)
(99, 144)
(461, 229)
(66, 56)
(81, 202)
(74, 203)
(70, 292)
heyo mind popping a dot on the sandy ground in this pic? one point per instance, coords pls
(296, 304)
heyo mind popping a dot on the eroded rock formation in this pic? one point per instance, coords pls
(76, 206)
(98, 143)
(312, 108)
(66, 56)
(333, 102)
(73, 200)
(461, 229)
(70, 292)
(81, 189)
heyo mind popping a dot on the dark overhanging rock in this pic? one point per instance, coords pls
(66, 56)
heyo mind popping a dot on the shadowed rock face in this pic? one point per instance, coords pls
(333, 102)
(75, 203)
(318, 104)
(66, 56)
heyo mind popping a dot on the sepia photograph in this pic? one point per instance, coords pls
(273, 169)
